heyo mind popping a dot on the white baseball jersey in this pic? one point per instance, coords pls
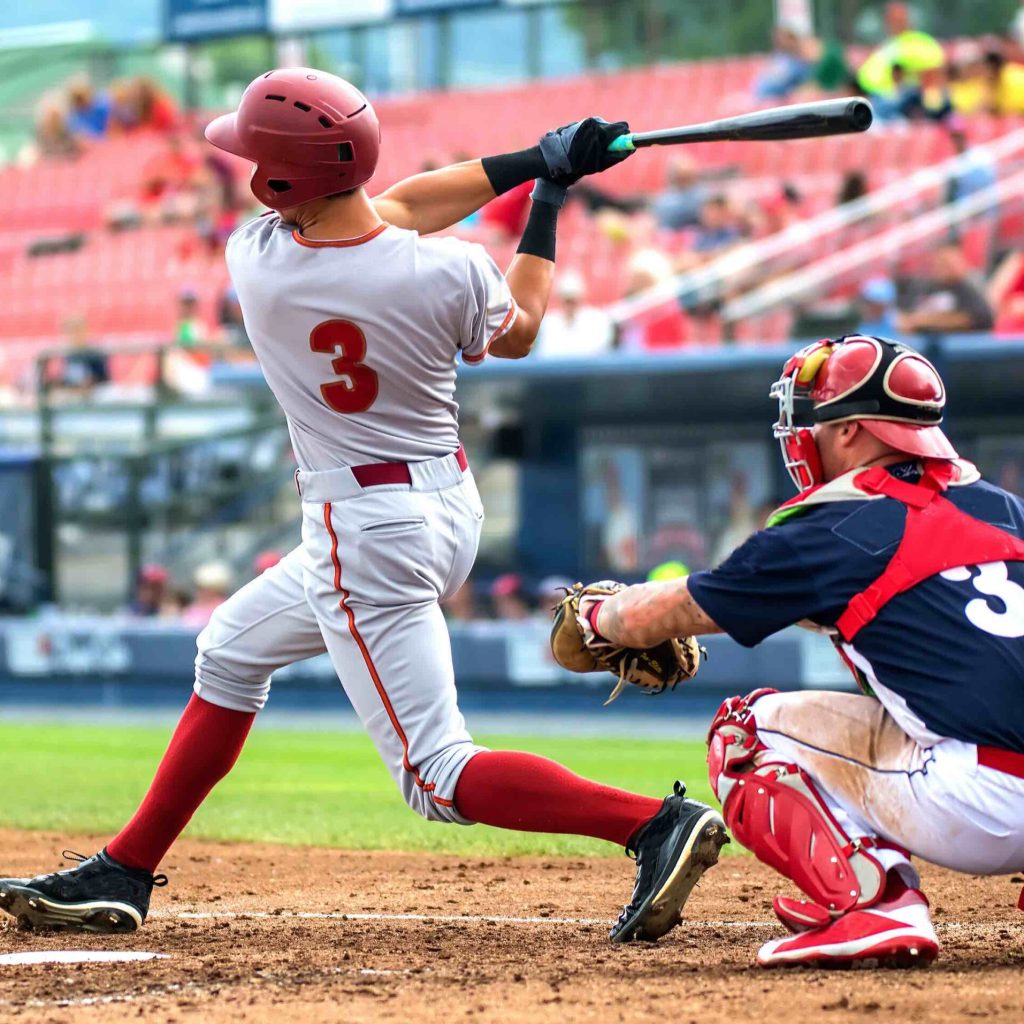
(358, 337)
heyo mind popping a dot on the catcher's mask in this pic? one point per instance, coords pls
(892, 390)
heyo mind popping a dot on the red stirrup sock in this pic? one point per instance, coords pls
(203, 749)
(528, 793)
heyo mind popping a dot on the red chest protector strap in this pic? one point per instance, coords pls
(937, 536)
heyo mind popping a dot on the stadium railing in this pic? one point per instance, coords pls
(876, 254)
(864, 223)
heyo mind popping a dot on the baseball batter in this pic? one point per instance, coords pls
(357, 320)
(915, 566)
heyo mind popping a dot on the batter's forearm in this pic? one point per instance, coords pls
(436, 200)
(529, 278)
(439, 199)
(648, 613)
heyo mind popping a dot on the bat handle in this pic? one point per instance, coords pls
(623, 144)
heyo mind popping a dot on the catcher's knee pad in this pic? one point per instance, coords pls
(775, 810)
(226, 677)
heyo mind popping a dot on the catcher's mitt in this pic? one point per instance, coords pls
(578, 648)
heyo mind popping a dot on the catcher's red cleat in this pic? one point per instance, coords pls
(893, 935)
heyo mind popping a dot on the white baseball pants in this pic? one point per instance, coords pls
(364, 585)
(933, 799)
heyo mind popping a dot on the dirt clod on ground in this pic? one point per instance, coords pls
(279, 934)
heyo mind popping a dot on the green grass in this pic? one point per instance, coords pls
(303, 788)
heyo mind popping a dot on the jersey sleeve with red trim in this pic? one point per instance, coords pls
(489, 310)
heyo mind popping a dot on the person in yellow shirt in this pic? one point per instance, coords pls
(1005, 81)
(913, 51)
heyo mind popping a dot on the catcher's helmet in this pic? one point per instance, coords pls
(893, 391)
(309, 133)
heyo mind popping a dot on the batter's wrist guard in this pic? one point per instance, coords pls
(539, 236)
(545, 191)
(508, 170)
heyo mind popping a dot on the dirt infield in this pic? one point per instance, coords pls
(400, 937)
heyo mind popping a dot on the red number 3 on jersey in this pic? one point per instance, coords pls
(357, 390)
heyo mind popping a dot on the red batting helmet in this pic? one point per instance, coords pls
(309, 133)
(893, 391)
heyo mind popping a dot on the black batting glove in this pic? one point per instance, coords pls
(581, 148)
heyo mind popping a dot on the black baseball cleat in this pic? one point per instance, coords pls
(97, 895)
(672, 851)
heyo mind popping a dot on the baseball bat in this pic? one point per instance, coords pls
(796, 121)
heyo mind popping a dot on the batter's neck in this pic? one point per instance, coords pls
(339, 217)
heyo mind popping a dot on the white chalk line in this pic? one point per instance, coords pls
(338, 915)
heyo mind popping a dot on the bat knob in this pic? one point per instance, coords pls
(623, 144)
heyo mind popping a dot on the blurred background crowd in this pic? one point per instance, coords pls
(127, 380)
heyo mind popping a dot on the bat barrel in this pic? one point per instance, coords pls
(797, 121)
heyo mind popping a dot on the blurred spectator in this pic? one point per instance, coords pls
(829, 69)
(550, 592)
(1006, 293)
(266, 560)
(505, 217)
(854, 186)
(977, 170)
(645, 269)
(461, 606)
(508, 597)
(911, 51)
(719, 226)
(151, 592)
(948, 300)
(788, 68)
(229, 316)
(174, 186)
(741, 521)
(213, 584)
(85, 367)
(138, 103)
(877, 305)
(679, 206)
(574, 329)
(665, 326)
(780, 209)
(930, 100)
(53, 137)
(88, 111)
(190, 329)
(187, 364)
(1003, 84)
(802, 60)
(156, 109)
(620, 529)
(666, 571)
(171, 182)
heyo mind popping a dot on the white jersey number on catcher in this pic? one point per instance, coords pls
(993, 580)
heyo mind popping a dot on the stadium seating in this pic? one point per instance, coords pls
(127, 283)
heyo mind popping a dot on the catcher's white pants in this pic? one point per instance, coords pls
(931, 797)
(364, 585)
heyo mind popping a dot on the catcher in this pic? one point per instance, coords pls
(914, 566)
